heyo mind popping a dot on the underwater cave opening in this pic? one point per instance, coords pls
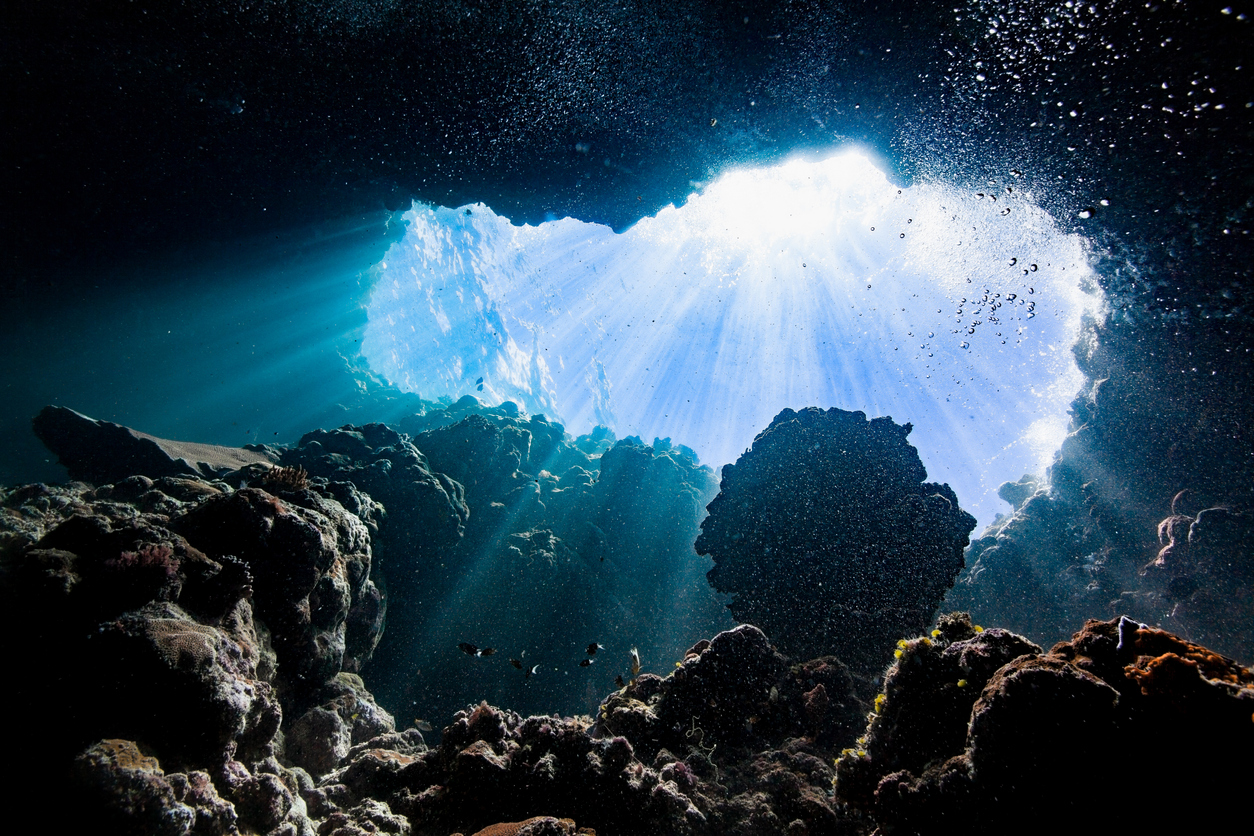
(812, 282)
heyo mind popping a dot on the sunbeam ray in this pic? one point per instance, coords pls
(809, 283)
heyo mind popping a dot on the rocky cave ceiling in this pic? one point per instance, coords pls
(147, 124)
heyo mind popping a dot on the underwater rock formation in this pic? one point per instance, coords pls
(175, 709)
(469, 524)
(829, 538)
(980, 731)
(1142, 445)
(485, 514)
(136, 637)
(719, 746)
(100, 451)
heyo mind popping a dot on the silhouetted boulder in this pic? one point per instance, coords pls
(829, 538)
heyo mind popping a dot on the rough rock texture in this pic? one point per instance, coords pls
(134, 634)
(100, 452)
(980, 732)
(309, 560)
(485, 513)
(125, 791)
(829, 538)
(720, 746)
(346, 715)
(1142, 446)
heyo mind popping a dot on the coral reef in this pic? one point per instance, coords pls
(829, 538)
(1082, 541)
(197, 646)
(980, 731)
(137, 637)
(488, 512)
(720, 745)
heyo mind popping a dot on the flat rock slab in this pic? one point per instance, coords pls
(101, 452)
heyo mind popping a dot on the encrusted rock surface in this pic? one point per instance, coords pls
(195, 645)
(830, 539)
(980, 731)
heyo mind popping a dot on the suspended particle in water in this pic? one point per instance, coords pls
(1086, 213)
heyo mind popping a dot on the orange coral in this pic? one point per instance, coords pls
(125, 754)
(283, 479)
(511, 828)
(1152, 647)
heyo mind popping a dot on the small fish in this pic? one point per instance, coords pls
(470, 649)
(593, 648)
(516, 663)
(480, 380)
(635, 662)
(480, 387)
(422, 725)
(487, 651)
(586, 663)
(618, 680)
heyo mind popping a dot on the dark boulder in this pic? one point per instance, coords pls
(829, 538)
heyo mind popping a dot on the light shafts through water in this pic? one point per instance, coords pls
(805, 284)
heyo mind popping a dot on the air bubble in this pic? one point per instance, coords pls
(1010, 297)
(1013, 262)
(1006, 211)
(964, 344)
(1032, 289)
